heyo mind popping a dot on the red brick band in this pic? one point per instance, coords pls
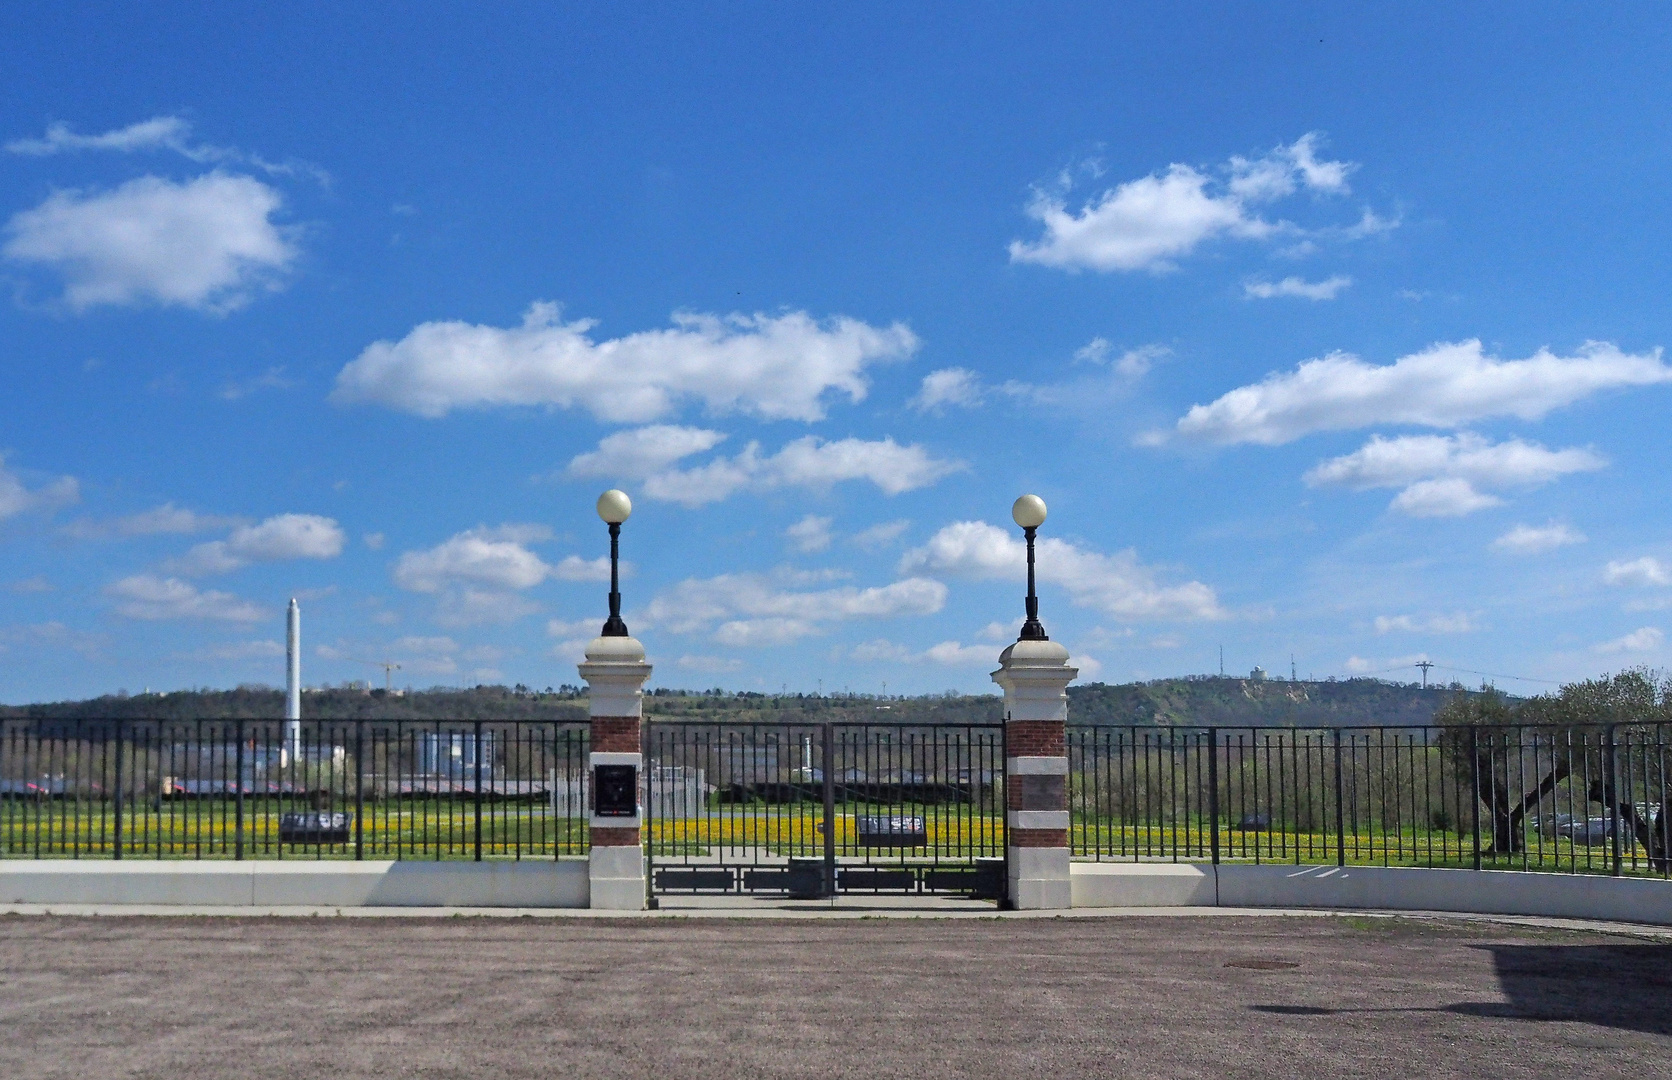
(602, 837)
(615, 734)
(1033, 738)
(1025, 837)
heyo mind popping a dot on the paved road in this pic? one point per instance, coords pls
(669, 999)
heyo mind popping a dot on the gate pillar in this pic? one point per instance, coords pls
(1035, 677)
(615, 673)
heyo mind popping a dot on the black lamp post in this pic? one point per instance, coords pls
(614, 507)
(1029, 513)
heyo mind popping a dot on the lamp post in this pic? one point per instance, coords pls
(615, 507)
(1029, 512)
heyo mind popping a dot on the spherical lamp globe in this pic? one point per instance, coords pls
(1028, 511)
(615, 507)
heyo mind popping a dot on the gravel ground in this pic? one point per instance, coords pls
(1127, 997)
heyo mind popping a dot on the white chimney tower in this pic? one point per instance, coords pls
(293, 683)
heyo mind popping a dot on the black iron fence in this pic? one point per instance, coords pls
(1577, 799)
(815, 808)
(244, 789)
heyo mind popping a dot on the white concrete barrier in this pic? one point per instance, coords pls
(1141, 885)
(381, 883)
(1383, 888)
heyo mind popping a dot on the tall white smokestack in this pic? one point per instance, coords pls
(293, 683)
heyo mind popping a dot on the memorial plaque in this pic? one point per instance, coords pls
(314, 827)
(892, 830)
(615, 791)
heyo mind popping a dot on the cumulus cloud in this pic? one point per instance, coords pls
(495, 558)
(1148, 223)
(948, 386)
(642, 452)
(1298, 287)
(1117, 584)
(281, 537)
(16, 498)
(1643, 639)
(1641, 572)
(164, 519)
(879, 536)
(1444, 386)
(1441, 474)
(146, 596)
(1534, 539)
(208, 243)
(774, 367)
(742, 610)
(810, 534)
(1132, 363)
(807, 462)
(1459, 623)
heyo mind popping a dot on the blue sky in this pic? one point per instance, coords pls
(1322, 334)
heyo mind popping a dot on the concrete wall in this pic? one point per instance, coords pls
(534, 884)
(1484, 892)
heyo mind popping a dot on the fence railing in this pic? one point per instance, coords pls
(240, 789)
(1591, 799)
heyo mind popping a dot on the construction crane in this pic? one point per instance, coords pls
(389, 668)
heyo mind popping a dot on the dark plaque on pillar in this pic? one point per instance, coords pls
(615, 791)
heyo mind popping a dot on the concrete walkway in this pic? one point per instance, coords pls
(665, 997)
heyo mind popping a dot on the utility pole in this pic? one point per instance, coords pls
(1424, 665)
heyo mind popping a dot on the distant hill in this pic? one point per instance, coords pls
(1195, 700)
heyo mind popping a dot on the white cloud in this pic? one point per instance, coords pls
(880, 536)
(810, 534)
(1643, 639)
(1534, 539)
(164, 519)
(1638, 572)
(473, 607)
(744, 610)
(1132, 363)
(1294, 286)
(146, 596)
(1441, 473)
(36, 584)
(949, 653)
(373, 541)
(245, 650)
(997, 631)
(711, 664)
(1444, 386)
(1116, 584)
(1147, 223)
(642, 452)
(207, 243)
(1358, 665)
(774, 367)
(271, 379)
(1458, 623)
(1448, 497)
(575, 568)
(561, 628)
(158, 133)
(17, 499)
(948, 386)
(478, 557)
(281, 537)
(807, 462)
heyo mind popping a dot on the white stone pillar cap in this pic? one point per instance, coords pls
(615, 673)
(616, 650)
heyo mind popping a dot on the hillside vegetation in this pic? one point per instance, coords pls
(1195, 700)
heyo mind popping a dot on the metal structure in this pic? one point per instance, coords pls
(810, 810)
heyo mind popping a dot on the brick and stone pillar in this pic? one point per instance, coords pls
(615, 673)
(1035, 677)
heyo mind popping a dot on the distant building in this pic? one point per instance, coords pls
(1258, 674)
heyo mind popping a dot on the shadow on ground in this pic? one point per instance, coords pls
(1626, 986)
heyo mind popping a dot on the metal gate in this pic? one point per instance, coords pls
(812, 810)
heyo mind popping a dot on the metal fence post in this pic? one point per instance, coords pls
(359, 789)
(238, 782)
(828, 775)
(1613, 788)
(476, 790)
(1213, 790)
(1474, 788)
(118, 826)
(1340, 805)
